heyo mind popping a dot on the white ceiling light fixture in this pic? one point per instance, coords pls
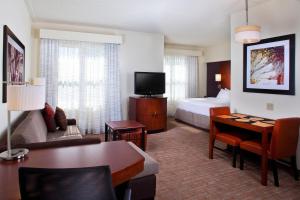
(247, 34)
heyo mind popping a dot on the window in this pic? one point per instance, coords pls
(181, 79)
(80, 86)
(83, 78)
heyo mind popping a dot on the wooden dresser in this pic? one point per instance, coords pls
(152, 112)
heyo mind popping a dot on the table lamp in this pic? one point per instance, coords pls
(218, 79)
(23, 97)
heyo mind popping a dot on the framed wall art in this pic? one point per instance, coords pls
(13, 60)
(269, 66)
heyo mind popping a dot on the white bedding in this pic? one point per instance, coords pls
(201, 105)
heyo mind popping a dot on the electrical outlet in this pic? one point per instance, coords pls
(270, 106)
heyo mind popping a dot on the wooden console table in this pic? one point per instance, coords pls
(264, 127)
(124, 162)
(112, 127)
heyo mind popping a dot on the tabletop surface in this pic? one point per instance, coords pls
(246, 121)
(125, 124)
(124, 162)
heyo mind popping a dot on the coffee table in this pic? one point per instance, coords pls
(113, 127)
(124, 161)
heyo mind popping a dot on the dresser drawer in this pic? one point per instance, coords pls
(152, 106)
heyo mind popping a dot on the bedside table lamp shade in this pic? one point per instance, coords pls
(21, 98)
(218, 77)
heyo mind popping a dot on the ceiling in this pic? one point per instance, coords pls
(190, 22)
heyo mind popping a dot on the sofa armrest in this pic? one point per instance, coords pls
(56, 144)
(71, 121)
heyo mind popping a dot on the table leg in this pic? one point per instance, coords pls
(106, 132)
(211, 139)
(264, 159)
(143, 139)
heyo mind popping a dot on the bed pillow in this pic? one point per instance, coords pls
(220, 94)
(224, 95)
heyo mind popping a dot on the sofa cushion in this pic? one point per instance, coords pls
(151, 166)
(60, 119)
(31, 130)
(48, 114)
(72, 132)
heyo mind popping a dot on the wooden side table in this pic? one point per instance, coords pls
(114, 127)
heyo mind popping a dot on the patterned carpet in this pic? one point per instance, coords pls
(187, 173)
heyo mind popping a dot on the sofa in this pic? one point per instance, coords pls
(32, 133)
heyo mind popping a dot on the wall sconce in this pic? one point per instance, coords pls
(218, 79)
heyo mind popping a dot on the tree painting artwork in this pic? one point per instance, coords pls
(269, 66)
(13, 61)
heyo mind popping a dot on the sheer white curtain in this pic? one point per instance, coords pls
(83, 78)
(181, 79)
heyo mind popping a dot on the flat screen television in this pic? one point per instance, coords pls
(149, 83)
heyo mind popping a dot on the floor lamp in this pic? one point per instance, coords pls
(24, 97)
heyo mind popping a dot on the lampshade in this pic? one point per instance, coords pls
(25, 97)
(218, 77)
(247, 34)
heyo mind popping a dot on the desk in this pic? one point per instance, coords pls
(124, 162)
(264, 131)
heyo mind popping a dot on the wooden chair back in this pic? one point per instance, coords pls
(217, 111)
(285, 138)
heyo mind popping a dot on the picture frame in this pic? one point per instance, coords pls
(13, 61)
(269, 66)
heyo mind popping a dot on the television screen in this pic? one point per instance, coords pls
(149, 83)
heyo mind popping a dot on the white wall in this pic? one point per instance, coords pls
(139, 52)
(15, 15)
(276, 17)
(216, 53)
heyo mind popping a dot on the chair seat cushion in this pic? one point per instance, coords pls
(231, 138)
(253, 146)
(150, 165)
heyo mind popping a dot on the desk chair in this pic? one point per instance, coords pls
(283, 144)
(225, 135)
(91, 183)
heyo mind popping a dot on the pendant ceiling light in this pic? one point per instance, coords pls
(248, 33)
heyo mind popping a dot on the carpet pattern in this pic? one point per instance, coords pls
(187, 173)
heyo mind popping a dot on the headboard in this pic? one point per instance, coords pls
(213, 68)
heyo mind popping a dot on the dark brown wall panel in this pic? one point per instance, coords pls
(213, 68)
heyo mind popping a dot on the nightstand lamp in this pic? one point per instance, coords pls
(23, 97)
(218, 79)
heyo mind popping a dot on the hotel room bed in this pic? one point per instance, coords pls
(195, 111)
